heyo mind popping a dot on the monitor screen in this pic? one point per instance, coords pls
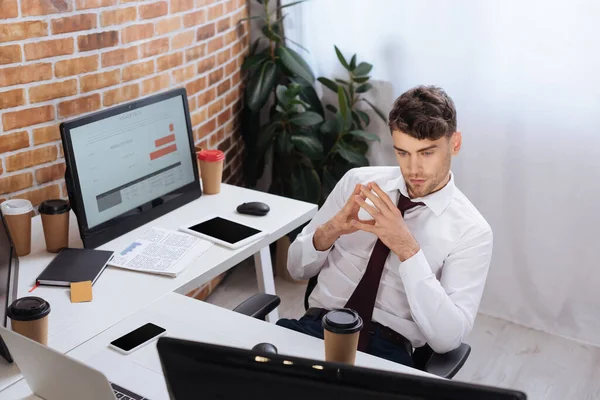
(130, 164)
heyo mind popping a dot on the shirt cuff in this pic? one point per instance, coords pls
(312, 255)
(415, 269)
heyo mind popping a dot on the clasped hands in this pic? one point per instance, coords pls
(387, 223)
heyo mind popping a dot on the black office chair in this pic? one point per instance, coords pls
(444, 365)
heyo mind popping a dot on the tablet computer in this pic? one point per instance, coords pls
(223, 231)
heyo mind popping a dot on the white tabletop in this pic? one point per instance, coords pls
(119, 293)
(191, 319)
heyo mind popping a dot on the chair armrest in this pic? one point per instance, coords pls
(258, 305)
(448, 364)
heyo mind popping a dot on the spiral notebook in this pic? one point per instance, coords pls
(75, 265)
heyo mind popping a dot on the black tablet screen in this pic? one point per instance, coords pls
(224, 229)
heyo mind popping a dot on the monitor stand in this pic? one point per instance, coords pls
(4, 352)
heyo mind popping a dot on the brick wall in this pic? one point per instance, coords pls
(64, 58)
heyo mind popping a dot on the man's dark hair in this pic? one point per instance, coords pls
(424, 112)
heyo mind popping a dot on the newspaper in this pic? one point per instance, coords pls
(161, 251)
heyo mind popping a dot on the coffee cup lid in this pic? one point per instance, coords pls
(16, 207)
(211, 155)
(54, 206)
(28, 309)
(343, 320)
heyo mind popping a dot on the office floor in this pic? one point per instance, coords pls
(504, 354)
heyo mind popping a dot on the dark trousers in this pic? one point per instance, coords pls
(378, 347)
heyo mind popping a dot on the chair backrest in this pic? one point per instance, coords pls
(312, 282)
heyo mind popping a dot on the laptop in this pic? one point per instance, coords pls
(55, 376)
(227, 373)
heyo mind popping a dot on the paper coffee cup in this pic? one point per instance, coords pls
(29, 317)
(211, 170)
(342, 329)
(17, 213)
(55, 221)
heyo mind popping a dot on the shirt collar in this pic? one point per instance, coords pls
(436, 202)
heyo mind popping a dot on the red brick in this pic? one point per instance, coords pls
(182, 39)
(53, 90)
(17, 182)
(195, 53)
(38, 195)
(206, 129)
(121, 94)
(230, 38)
(224, 56)
(22, 30)
(206, 97)
(119, 56)
(48, 48)
(224, 117)
(230, 68)
(215, 45)
(223, 87)
(28, 117)
(156, 84)
(14, 141)
(26, 159)
(81, 22)
(118, 17)
(215, 76)
(44, 7)
(192, 104)
(100, 80)
(79, 105)
(100, 40)
(198, 117)
(154, 10)
(169, 61)
(215, 108)
(206, 64)
(87, 4)
(12, 98)
(181, 5)
(168, 25)
(231, 97)
(205, 32)
(46, 134)
(10, 9)
(196, 86)
(155, 47)
(223, 24)
(229, 6)
(10, 54)
(137, 32)
(138, 70)
(50, 173)
(75, 66)
(184, 74)
(215, 12)
(236, 78)
(195, 18)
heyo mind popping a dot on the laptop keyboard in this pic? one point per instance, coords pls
(124, 394)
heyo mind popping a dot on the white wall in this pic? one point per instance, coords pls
(525, 78)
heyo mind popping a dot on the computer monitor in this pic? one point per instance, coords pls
(129, 164)
(9, 275)
(227, 373)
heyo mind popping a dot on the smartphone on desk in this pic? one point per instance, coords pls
(137, 338)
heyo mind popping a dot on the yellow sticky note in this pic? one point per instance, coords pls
(81, 291)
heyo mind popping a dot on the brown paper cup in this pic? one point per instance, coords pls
(212, 174)
(56, 231)
(17, 213)
(35, 330)
(342, 330)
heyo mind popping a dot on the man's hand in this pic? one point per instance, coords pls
(341, 224)
(389, 225)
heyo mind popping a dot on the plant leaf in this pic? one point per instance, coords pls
(329, 182)
(329, 126)
(291, 4)
(254, 61)
(342, 81)
(309, 146)
(361, 79)
(331, 108)
(306, 185)
(377, 111)
(329, 84)
(365, 135)
(298, 44)
(353, 62)
(260, 85)
(265, 137)
(364, 88)
(310, 96)
(350, 155)
(270, 33)
(362, 69)
(250, 18)
(307, 118)
(364, 116)
(254, 46)
(357, 121)
(340, 57)
(344, 108)
(295, 63)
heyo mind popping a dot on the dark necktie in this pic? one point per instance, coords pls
(363, 299)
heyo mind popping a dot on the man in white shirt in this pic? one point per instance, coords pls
(429, 287)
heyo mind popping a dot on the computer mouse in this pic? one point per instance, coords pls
(265, 348)
(254, 208)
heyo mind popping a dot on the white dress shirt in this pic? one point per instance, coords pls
(431, 297)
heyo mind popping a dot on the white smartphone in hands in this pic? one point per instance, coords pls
(137, 338)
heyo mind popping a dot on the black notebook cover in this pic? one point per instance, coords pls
(75, 265)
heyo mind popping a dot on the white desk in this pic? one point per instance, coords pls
(119, 293)
(190, 319)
